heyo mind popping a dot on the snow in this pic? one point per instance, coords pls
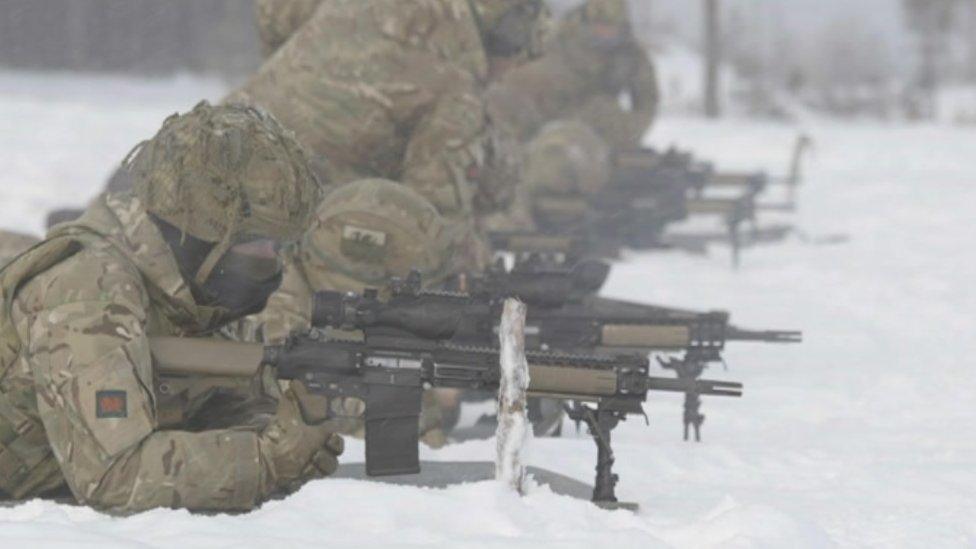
(861, 436)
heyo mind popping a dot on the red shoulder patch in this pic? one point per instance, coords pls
(111, 404)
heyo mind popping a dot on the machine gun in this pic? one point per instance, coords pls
(388, 373)
(589, 326)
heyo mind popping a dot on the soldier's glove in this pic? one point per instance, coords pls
(346, 415)
(295, 451)
(437, 404)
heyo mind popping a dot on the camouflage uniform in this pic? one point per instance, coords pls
(13, 244)
(390, 89)
(582, 75)
(80, 402)
(279, 19)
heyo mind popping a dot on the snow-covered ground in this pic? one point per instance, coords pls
(861, 436)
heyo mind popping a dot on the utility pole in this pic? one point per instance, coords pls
(971, 4)
(713, 52)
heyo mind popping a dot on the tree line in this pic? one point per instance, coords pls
(131, 36)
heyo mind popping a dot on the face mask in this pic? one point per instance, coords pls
(240, 283)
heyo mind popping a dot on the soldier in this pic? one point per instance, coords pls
(13, 244)
(361, 236)
(393, 89)
(191, 248)
(566, 158)
(593, 60)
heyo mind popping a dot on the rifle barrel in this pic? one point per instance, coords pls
(699, 386)
(768, 336)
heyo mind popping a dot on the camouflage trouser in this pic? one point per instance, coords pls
(27, 465)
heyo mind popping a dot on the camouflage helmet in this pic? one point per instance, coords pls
(567, 158)
(596, 25)
(371, 230)
(611, 12)
(278, 20)
(222, 173)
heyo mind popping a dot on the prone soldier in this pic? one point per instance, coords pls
(566, 158)
(190, 249)
(362, 235)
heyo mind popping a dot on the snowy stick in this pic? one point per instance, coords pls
(513, 424)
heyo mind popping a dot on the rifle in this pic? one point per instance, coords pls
(646, 194)
(589, 326)
(618, 217)
(535, 281)
(470, 319)
(389, 373)
(734, 212)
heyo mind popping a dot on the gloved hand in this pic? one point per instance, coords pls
(296, 452)
(438, 406)
(346, 415)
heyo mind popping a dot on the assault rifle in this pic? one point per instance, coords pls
(570, 325)
(388, 373)
(590, 326)
(734, 213)
(642, 164)
(573, 227)
(634, 211)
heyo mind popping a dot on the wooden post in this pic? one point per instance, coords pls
(513, 422)
(713, 53)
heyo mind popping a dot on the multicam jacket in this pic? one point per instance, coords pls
(80, 402)
(386, 88)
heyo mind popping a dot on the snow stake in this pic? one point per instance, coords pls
(513, 422)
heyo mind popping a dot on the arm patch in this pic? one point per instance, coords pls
(111, 404)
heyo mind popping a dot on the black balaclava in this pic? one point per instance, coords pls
(240, 284)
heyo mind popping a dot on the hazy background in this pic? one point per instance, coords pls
(912, 59)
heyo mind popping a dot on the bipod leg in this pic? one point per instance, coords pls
(693, 416)
(735, 240)
(600, 423)
(690, 367)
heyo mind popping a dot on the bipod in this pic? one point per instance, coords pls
(601, 422)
